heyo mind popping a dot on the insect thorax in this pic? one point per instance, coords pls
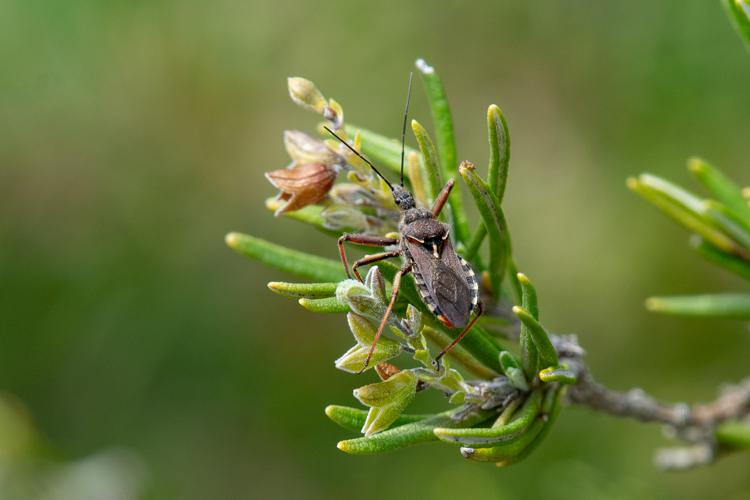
(413, 215)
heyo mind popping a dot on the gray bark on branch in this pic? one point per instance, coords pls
(694, 424)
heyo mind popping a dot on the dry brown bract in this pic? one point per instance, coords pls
(301, 185)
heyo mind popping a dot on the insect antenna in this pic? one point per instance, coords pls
(403, 130)
(342, 141)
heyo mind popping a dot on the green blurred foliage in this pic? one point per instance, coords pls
(134, 136)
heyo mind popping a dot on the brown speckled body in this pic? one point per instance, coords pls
(445, 281)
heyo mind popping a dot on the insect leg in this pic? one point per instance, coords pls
(396, 285)
(442, 197)
(480, 310)
(365, 240)
(369, 259)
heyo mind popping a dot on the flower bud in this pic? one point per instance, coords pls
(376, 284)
(364, 333)
(301, 185)
(349, 193)
(343, 217)
(353, 360)
(386, 370)
(334, 113)
(303, 148)
(399, 386)
(304, 93)
(360, 300)
(387, 400)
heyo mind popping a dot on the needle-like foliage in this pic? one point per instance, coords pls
(506, 381)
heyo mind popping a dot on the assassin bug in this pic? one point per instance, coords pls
(446, 282)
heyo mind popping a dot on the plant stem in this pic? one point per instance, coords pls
(697, 424)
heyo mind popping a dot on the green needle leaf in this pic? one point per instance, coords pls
(498, 325)
(446, 143)
(512, 368)
(553, 374)
(410, 434)
(528, 295)
(540, 337)
(739, 13)
(478, 342)
(414, 172)
(441, 115)
(479, 437)
(732, 225)
(472, 248)
(518, 448)
(284, 259)
(353, 418)
(675, 193)
(508, 360)
(327, 305)
(517, 378)
(494, 221)
(303, 290)
(683, 207)
(507, 450)
(499, 139)
(432, 174)
(726, 260)
(497, 172)
(552, 406)
(720, 186)
(459, 353)
(529, 351)
(734, 434)
(725, 305)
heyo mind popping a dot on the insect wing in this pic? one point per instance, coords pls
(443, 284)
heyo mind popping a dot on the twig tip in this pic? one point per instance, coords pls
(652, 304)
(425, 68)
(695, 164)
(232, 239)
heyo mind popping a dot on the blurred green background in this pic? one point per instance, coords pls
(134, 135)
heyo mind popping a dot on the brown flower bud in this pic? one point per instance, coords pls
(301, 185)
(386, 370)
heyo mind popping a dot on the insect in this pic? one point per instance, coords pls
(446, 282)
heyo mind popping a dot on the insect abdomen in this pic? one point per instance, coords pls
(471, 279)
